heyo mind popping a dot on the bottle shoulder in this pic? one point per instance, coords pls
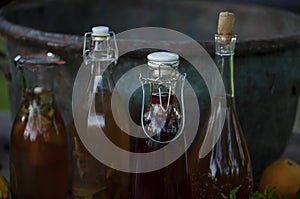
(39, 118)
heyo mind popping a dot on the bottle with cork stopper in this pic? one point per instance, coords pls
(219, 158)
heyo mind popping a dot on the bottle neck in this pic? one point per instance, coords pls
(101, 48)
(38, 77)
(101, 78)
(37, 96)
(99, 59)
(224, 50)
(162, 89)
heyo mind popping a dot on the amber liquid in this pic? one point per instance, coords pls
(170, 182)
(226, 166)
(91, 178)
(38, 153)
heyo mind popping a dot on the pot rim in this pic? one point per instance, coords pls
(60, 41)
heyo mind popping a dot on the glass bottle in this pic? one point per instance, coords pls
(162, 122)
(91, 178)
(227, 164)
(38, 149)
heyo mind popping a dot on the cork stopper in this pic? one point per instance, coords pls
(226, 23)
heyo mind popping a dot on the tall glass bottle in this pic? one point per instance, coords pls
(38, 150)
(162, 121)
(91, 178)
(227, 165)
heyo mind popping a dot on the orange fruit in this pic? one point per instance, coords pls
(284, 175)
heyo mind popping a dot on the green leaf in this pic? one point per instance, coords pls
(232, 194)
(265, 194)
(298, 194)
(224, 197)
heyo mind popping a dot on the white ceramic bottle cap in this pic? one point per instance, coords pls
(162, 58)
(100, 30)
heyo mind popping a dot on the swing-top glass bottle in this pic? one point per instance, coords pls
(162, 121)
(91, 178)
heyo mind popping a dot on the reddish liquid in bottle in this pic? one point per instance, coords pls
(38, 157)
(169, 182)
(226, 167)
(164, 125)
(91, 178)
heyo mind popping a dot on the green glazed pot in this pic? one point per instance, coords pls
(267, 61)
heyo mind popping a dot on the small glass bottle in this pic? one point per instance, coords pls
(162, 122)
(91, 178)
(227, 165)
(38, 149)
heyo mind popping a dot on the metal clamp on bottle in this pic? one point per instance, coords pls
(163, 121)
(103, 42)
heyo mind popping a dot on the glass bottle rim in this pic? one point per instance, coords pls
(37, 60)
(233, 36)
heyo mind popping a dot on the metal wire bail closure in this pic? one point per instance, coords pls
(100, 35)
(163, 73)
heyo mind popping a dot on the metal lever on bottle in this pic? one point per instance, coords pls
(87, 37)
(109, 39)
(170, 84)
(160, 101)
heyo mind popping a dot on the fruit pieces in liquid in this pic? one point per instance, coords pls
(164, 125)
(39, 163)
(169, 182)
(227, 166)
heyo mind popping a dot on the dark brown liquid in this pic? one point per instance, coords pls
(91, 178)
(227, 166)
(170, 182)
(166, 123)
(38, 154)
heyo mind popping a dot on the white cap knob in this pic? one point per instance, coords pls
(162, 58)
(100, 30)
(162, 63)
